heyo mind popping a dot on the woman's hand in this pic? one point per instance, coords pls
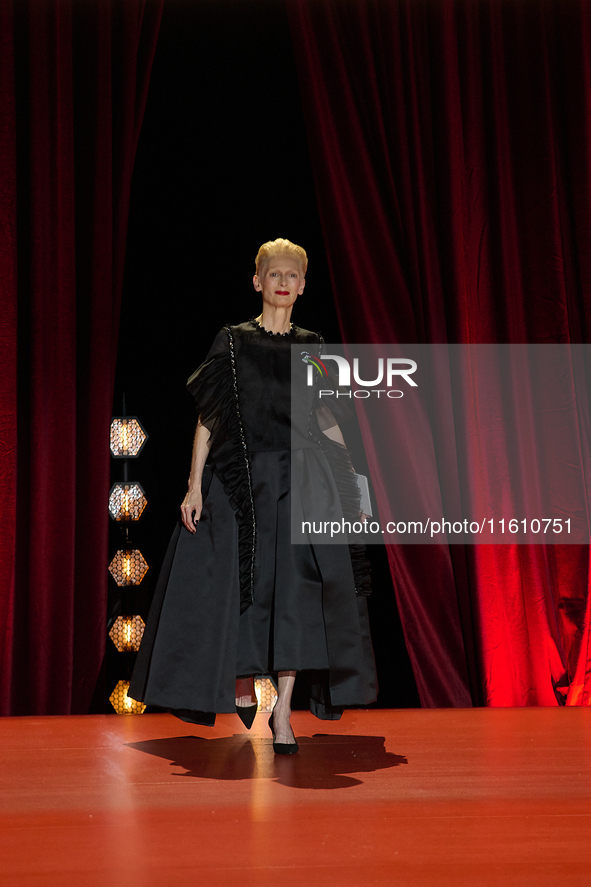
(191, 509)
(193, 502)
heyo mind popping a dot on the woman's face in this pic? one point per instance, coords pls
(282, 281)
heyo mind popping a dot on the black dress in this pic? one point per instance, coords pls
(237, 598)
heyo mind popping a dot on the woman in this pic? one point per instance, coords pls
(235, 598)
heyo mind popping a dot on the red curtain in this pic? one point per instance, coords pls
(73, 86)
(450, 143)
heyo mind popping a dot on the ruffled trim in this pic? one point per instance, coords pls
(339, 461)
(214, 387)
(264, 329)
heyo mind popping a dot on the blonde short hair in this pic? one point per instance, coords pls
(280, 247)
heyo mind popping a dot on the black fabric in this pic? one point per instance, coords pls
(243, 395)
(325, 414)
(284, 629)
(264, 379)
(305, 614)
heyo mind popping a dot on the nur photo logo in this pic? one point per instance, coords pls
(389, 370)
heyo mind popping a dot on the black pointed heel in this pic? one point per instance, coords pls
(246, 714)
(282, 748)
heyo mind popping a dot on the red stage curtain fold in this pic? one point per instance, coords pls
(74, 79)
(8, 331)
(450, 144)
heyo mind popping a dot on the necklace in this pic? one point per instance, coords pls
(270, 332)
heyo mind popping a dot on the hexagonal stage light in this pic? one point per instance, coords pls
(127, 632)
(127, 437)
(128, 567)
(127, 502)
(265, 693)
(124, 704)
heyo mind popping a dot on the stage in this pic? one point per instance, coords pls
(412, 797)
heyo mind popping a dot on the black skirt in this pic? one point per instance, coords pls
(306, 615)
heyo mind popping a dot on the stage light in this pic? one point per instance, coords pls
(122, 703)
(126, 502)
(265, 693)
(128, 567)
(127, 632)
(127, 437)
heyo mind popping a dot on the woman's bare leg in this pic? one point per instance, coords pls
(282, 710)
(245, 694)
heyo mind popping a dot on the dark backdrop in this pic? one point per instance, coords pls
(222, 165)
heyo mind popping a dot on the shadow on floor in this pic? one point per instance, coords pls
(322, 762)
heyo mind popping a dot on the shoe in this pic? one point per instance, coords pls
(282, 748)
(246, 714)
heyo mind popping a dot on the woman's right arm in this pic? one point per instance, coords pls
(193, 503)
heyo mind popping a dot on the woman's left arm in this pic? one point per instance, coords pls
(335, 433)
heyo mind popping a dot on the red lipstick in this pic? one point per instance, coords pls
(282, 292)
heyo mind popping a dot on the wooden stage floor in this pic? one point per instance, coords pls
(416, 797)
